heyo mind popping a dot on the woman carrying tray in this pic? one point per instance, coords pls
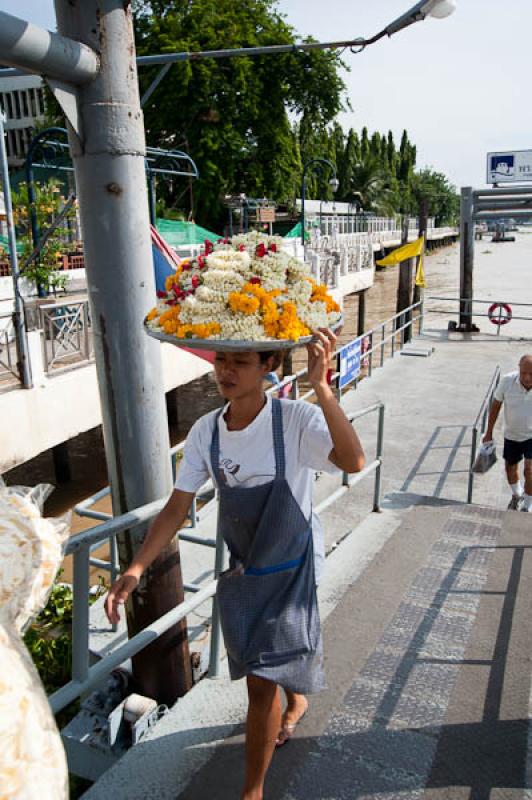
(262, 454)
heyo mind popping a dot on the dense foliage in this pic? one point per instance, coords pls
(232, 115)
(235, 117)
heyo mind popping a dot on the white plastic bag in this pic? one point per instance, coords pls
(32, 759)
(486, 458)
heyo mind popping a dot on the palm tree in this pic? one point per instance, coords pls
(372, 184)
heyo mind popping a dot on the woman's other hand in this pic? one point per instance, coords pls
(320, 353)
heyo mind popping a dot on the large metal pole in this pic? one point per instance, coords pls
(23, 361)
(404, 285)
(111, 181)
(466, 260)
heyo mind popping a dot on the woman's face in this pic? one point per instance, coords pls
(239, 374)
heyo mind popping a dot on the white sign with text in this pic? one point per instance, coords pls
(512, 166)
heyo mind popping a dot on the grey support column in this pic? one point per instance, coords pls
(466, 260)
(111, 181)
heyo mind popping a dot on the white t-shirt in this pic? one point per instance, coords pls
(247, 457)
(517, 407)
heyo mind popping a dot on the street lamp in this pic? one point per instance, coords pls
(426, 8)
(333, 183)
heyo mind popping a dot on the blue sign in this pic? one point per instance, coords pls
(349, 357)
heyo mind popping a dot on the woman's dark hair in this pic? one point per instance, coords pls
(277, 356)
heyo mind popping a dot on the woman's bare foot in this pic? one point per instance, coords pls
(296, 708)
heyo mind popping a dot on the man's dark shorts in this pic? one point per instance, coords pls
(514, 451)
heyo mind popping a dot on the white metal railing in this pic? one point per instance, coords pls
(8, 350)
(84, 677)
(480, 426)
(335, 253)
(67, 334)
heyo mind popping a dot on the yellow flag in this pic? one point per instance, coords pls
(409, 250)
(420, 273)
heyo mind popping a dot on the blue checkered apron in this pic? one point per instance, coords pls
(267, 598)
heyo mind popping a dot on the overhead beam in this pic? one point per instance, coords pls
(487, 215)
(33, 49)
(499, 205)
(506, 191)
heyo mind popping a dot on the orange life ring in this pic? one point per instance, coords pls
(499, 318)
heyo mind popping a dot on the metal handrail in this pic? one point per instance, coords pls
(81, 545)
(480, 426)
(292, 381)
(84, 677)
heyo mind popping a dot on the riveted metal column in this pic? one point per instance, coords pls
(466, 259)
(111, 181)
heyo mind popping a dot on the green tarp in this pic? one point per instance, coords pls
(182, 234)
(4, 245)
(295, 233)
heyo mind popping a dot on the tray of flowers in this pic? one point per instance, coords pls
(243, 293)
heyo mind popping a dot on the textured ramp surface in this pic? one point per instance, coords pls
(428, 665)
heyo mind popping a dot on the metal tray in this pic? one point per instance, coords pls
(234, 345)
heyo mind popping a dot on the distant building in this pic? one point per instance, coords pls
(22, 101)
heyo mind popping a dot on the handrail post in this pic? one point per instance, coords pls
(80, 615)
(86, 340)
(370, 365)
(294, 389)
(215, 649)
(382, 345)
(474, 442)
(421, 315)
(378, 454)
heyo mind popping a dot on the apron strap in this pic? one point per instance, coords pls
(215, 449)
(278, 438)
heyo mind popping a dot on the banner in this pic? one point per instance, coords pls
(410, 250)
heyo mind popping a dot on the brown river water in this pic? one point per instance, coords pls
(87, 456)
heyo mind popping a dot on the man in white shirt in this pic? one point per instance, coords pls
(515, 393)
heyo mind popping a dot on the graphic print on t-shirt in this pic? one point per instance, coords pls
(228, 467)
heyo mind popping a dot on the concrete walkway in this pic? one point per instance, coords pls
(426, 623)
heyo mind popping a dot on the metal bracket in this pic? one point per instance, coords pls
(67, 96)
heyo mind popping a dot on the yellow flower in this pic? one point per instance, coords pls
(243, 303)
(171, 315)
(151, 314)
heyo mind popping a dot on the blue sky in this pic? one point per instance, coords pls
(460, 86)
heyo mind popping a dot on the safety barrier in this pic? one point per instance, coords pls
(8, 350)
(499, 312)
(82, 545)
(480, 426)
(85, 677)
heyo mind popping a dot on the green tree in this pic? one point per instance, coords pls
(372, 184)
(233, 113)
(45, 270)
(443, 201)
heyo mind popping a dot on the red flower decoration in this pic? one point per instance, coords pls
(241, 247)
(255, 280)
(161, 294)
(195, 281)
(273, 248)
(187, 266)
(209, 247)
(171, 303)
(261, 250)
(201, 262)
